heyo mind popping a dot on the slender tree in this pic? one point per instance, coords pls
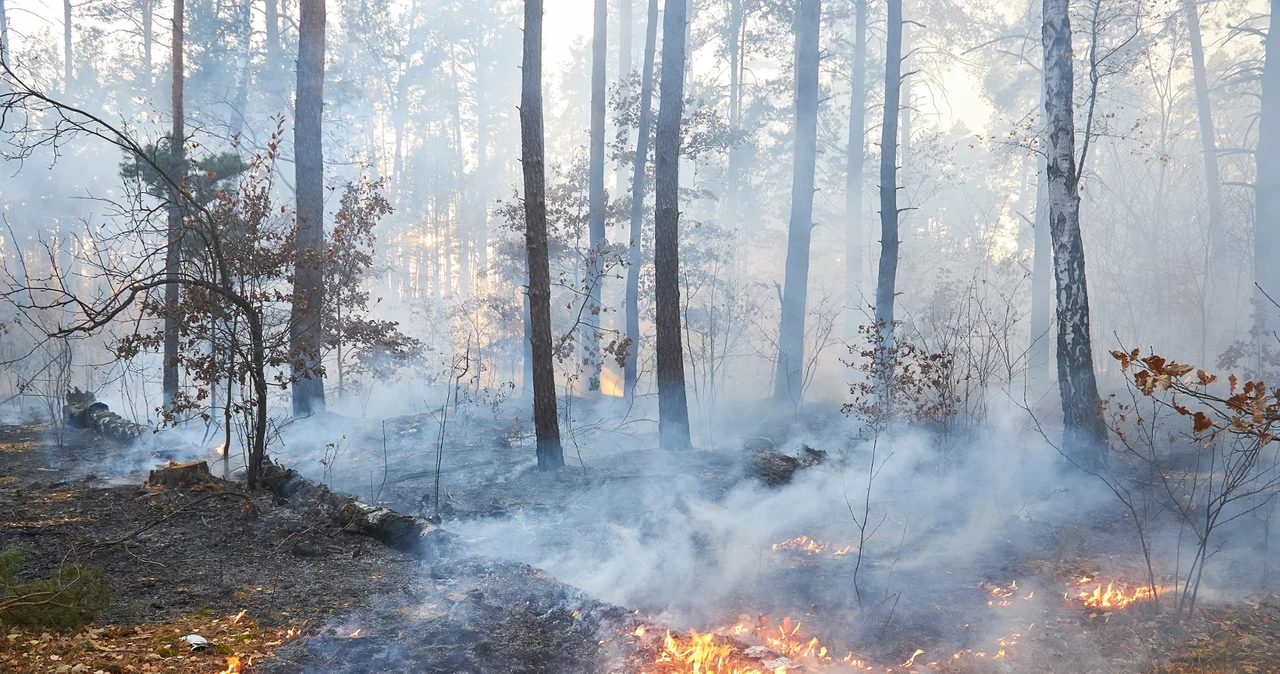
(1266, 237)
(244, 35)
(1041, 285)
(1208, 143)
(673, 408)
(546, 425)
(308, 280)
(68, 62)
(888, 274)
(173, 252)
(1084, 434)
(638, 189)
(857, 158)
(595, 216)
(273, 37)
(789, 379)
(625, 69)
(144, 81)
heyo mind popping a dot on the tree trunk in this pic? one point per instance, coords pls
(853, 175)
(145, 84)
(625, 68)
(4, 35)
(173, 251)
(1266, 247)
(638, 188)
(1213, 183)
(888, 273)
(308, 285)
(546, 425)
(673, 409)
(244, 34)
(595, 215)
(68, 63)
(273, 37)
(1084, 435)
(789, 380)
(1041, 287)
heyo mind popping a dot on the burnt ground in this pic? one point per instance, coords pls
(363, 607)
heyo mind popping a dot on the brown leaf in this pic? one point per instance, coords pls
(1202, 422)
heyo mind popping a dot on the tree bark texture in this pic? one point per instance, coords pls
(308, 284)
(1266, 238)
(789, 378)
(673, 408)
(1084, 434)
(546, 425)
(595, 209)
(173, 248)
(887, 278)
(857, 158)
(1208, 142)
(638, 190)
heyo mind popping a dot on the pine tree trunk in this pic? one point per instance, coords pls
(673, 408)
(273, 37)
(173, 251)
(546, 425)
(887, 278)
(244, 35)
(857, 158)
(638, 190)
(789, 379)
(595, 216)
(308, 287)
(147, 39)
(68, 63)
(1084, 434)
(1208, 142)
(1266, 237)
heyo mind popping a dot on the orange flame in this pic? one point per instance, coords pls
(233, 665)
(356, 633)
(1116, 595)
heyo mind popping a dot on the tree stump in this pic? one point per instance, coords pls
(177, 475)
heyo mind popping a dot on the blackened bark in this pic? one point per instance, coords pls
(1084, 434)
(673, 408)
(595, 215)
(308, 286)
(173, 249)
(857, 158)
(638, 189)
(789, 378)
(1266, 237)
(546, 425)
(887, 279)
(1208, 143)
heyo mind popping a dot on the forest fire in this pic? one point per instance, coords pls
(808, 546)
(775, 650)
(233, 665)
(1115, 596)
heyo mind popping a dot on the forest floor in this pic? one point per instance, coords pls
(277, 588)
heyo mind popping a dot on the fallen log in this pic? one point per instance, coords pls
(776, 469)
(84, 411)
(409, 534)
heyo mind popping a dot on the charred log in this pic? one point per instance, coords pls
(408, 534)
(84, 411)
(776, 469)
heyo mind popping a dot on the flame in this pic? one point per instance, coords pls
(639, 631)
(722, 651)
(238, 617)
(610, 383)
(808, 546)
(233, 665)
(356, 633)
(1116, 595)
(912, 660)
(220, 450)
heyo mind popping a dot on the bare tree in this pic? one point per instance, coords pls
(546, 424)
(308, 290)
(1084, 433)
(1208, 143)
(1266, 236)
(177, 168)
(273, 37)
(673, 407)
(591, 341)
(857, 158)
(240, 93)
(144, 79)
(888, 273)
(630, 369)
(68, 61)
(788, 384)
